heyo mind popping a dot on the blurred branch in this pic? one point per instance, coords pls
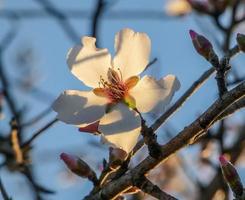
(37, 188)
(61, 19)
(83, 14)
(96, 19)
(35, 135)
(217, 182)
(37, 118)
(3, 191)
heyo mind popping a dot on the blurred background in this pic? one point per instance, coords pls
(35, 36)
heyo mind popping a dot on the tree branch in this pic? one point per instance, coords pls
(187, 136)
(148, 187)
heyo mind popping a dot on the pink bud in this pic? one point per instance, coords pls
(116, 157)
(91, 128)
(70, 161)
(202, 45)
(231, 176)
(77, 166)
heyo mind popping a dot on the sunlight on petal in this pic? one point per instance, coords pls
(121, 127)
(79, 107)
(89, 63)
(156, 95)
(132, 52)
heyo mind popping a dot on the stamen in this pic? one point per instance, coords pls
(120, 74)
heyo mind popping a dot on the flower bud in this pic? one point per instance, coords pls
(116, 157)
(77, 166)
(199, 6)
(231, 177)
(240, 38)
(202, 45)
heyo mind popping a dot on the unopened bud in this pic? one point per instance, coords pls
(116, 157)
(240, 38)
(199, 6)
(78, 166)
(231, 177)
(202, 45)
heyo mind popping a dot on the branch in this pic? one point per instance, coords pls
(100, 7)
(189, 92)
(79, 14)
(233, 108)
(61, 19)
(28, 142)
(37, 118)
(187, 136)
(148, 187)
(3, 191)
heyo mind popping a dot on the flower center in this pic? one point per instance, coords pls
(115, 89)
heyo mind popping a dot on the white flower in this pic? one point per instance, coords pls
(117, 89)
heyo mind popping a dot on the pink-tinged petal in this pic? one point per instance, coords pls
(120, 127)
(91, 128)
(201, 44)
(132, 52)
(152, 95)
(89, 63)
(79, 107)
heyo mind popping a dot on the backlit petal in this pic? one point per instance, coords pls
(132, 52)
(79, 107)
(178, 7)
(121, 127)
(153, 96)
(88, 63)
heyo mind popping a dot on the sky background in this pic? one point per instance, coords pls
(171, 45)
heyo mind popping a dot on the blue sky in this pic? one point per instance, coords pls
(170, 44)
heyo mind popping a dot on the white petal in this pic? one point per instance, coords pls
(120, 127)
(132, 52)
(79, 107)
(153, 96)
(88, 63)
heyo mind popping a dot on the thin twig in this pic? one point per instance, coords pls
(35, 135)
(148, 187)
(61, 19)
(96, 19)
(37, 118)
(3, 191)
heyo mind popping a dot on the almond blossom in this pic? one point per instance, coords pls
(117, 90)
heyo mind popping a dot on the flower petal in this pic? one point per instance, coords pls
(79, 107)
(120, 127)
(88, 63)
(132, 52)
(153, 96)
